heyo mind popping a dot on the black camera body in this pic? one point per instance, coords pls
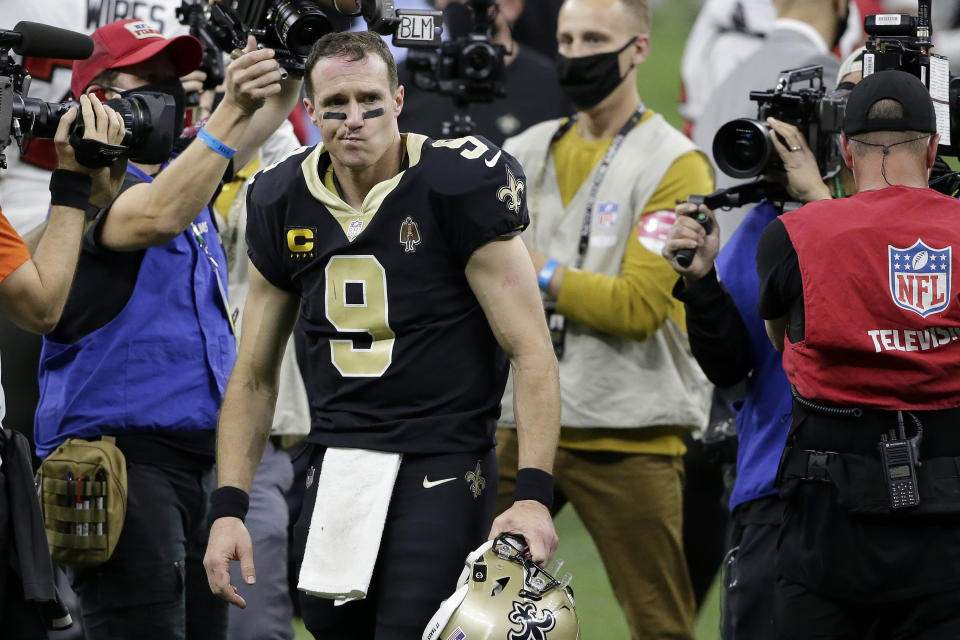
(149, 117)
(291, 27)
(468, 68)
(196, 15)
(895, 42)
(742, 148)
(903, 42)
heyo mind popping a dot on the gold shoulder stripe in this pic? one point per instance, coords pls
(268, 168)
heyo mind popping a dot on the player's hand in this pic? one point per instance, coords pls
(229, 540)
(532, 520)
(802, 173)
(252, 78)
(687, 233)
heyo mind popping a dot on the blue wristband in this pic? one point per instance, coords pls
(546, 274)
(207, 138)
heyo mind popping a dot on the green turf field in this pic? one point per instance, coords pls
(600, 616)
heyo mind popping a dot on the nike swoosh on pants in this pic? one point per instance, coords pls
(429, 484)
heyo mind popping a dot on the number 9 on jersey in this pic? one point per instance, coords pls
(356, 302)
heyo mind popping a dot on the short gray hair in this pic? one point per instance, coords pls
(887, 109)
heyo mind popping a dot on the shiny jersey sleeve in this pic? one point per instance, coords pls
(396, 350)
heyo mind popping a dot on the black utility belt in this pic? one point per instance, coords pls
(872, 485)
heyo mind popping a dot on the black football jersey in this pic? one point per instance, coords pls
(399, 355)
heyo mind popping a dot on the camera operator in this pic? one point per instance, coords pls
(868, 544)
(33, 291)
(149, 304)
(23, 185)
(532, 91)
(729, 342)
(804, 33)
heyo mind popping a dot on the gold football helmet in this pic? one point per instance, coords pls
(503, 595)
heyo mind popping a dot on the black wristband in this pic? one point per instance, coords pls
(229, 502)
(70, 189)
(534, 484)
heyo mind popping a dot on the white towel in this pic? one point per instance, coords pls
(353, 494)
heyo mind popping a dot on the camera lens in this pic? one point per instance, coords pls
(742, 148)
(478, 61)
(299, 23)
(150, 120)
(39, 119)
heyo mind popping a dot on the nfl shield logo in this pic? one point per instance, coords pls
(920, 277)
(606, 215)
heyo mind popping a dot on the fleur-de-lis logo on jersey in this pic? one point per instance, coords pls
(534, 624)
(476, 481)
(509, 194)
(409, 235)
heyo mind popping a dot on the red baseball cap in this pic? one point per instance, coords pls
(126, 42)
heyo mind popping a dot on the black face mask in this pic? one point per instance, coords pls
(173, 88)
(587, 80)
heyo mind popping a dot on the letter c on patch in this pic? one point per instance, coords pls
(300, 240)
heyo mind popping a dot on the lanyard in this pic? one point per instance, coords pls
(224, 299)
(598, 177)
(221, 290)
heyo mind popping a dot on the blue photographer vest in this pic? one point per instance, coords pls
(160, 365)
(764, 417)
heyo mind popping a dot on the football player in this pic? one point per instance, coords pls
(399, 256)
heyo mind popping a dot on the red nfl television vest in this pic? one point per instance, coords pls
(881, 316)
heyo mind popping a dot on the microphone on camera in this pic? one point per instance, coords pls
(43, 41)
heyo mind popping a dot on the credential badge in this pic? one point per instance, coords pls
(409, 235)
(920, 277)
(510, 193)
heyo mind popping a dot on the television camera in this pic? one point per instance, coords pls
(148, 116)
(468, 68)
(290, 27)
(743, 148)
